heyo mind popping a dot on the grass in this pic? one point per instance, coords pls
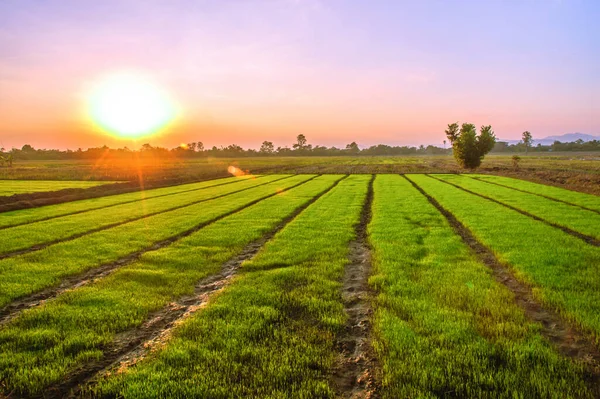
(29, 215)
(270, 334)
(442, 325)
(574, 197)
(42, 345)
(573, 217)
(28, 273)
(11, 187)
(563, 270)
(42, 232)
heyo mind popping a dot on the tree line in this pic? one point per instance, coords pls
(300, 148)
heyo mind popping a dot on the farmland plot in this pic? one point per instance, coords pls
(30, 215)
(305, 286)
(11, 187)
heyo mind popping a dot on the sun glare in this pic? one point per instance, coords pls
(128, 105)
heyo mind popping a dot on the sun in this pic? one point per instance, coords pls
(130, 106)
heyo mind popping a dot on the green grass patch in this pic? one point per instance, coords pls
(25, 236)
(28, 273)
(11, 187)
(443, 326)
(270, 334)
(586, 200)
(563, 270)
(12, 218)
(42, 345)
(573, 217)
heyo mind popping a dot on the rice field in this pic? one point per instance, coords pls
(305, 286)
(11, 187)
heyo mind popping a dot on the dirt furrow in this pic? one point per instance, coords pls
(588, 239)
(131, 346)
(569, 340)
(112, 225)
(353, 374)
(120, 203)
(13, 309)
(539, 195)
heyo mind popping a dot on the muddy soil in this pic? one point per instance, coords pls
(354, 373)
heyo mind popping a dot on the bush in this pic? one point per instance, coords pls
(469, 148)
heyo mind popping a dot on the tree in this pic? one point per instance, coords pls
(300, 142)
(527, 140)
(352, 148)
(267, 148)
(469, 148)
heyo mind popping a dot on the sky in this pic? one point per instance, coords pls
(244, 71)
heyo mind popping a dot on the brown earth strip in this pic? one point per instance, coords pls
(110, 226)
(529, 192)
(131, 346)
(13, 309)
(120, 203)
(569, 340)
(354, 373)
(588, 239)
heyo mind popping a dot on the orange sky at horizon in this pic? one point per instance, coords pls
(241, 73)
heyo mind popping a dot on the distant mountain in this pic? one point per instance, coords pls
(564, 138)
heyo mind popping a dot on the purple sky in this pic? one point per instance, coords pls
(244, 71)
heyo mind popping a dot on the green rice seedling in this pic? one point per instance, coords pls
(48, 231)
(563, 270)
(29, 273)
(11, 187)
(270, 333)
(443, 327)
(585, 200)
(569, 216)
(29, 215)
(43, 345)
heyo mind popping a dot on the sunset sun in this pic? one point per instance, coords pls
(130, 106)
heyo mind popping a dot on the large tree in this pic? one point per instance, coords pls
(267, 148)
(468, 147)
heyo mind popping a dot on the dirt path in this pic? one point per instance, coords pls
(131, 346)
(566, 338)
(588, 239)
(112, 225)
(529, 192)
(13, 309)
(353, 375)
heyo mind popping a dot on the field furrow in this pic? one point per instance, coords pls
(562, 270)
(26, 274)
(354, 370)
(270, 333)
(442, 323)
(37, 214)
(35, 236)
(63, 340)
(585, 201)
(555, 213)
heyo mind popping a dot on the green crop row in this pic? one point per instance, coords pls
(271, 332)
(585, 200)
(15, 218)
(28, 273)
(43, 232)
(563, 270)
(569, 216)
(11, 187)
(442, 325)
(43, 345)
